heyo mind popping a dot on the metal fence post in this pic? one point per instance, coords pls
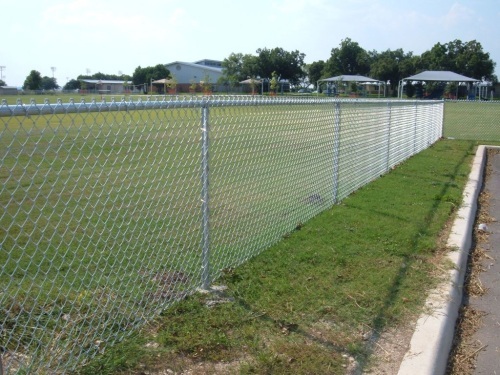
(336, 150)
(389, 113)
(205, 242)
(415, 129)
(442, 118)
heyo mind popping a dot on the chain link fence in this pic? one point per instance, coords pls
(472, 120)
(113, 211)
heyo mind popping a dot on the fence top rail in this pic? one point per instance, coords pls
(168, 102)
(483, 101)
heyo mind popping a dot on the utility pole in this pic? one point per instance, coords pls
(2, 68)
(53, 68)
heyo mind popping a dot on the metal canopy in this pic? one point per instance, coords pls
(251, 81)
(349, 78)
(163, 81)
(441, 76)
(436, 76)
(353, 78)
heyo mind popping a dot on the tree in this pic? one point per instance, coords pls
(2, 83)
(49, 83)
(473, 62)
(206, 85)
(250, 66)
(103, 76)
(436, 58)
(145, 75)
(467, 59)
(391, 66)
(232, 70)
(73, 84)
(315, 71)
(348, 58)
(192, 86)
(274, 82)
(33, 81)
(288, 65)
(172, 85)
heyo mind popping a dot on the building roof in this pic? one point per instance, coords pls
(349, 78)
(249, 81)
(194, 65)
(209, 62)
(163, 81)
(441, 76)
(103, 81)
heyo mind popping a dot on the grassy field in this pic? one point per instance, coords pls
(472, 120)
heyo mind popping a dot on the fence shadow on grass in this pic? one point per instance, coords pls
(379, 322)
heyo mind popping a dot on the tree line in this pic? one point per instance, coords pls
(35, 81)
(349, 58)
(466, 58)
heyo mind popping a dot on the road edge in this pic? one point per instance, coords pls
(433, 337)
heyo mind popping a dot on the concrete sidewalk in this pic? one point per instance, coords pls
(432, 341)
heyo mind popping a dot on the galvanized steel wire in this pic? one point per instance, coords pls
(113, 211)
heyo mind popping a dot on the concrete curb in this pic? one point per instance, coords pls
(433, 337)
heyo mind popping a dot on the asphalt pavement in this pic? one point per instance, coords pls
(487, 338)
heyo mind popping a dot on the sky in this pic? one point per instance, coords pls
(63, 39)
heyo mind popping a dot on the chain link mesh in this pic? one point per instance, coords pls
(472, 119)
(113, 211)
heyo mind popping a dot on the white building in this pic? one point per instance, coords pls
(194, 74)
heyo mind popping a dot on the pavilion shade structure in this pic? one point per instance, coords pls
(436, 76)
(440, 76)
(353, 78)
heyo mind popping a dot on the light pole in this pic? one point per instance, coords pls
(2, 68)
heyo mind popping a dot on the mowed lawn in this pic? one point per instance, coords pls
(478, 120)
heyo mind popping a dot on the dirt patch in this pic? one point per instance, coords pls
(389, 350)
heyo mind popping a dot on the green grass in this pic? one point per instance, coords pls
(77, 97)
(305, 303)
(477, 120)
